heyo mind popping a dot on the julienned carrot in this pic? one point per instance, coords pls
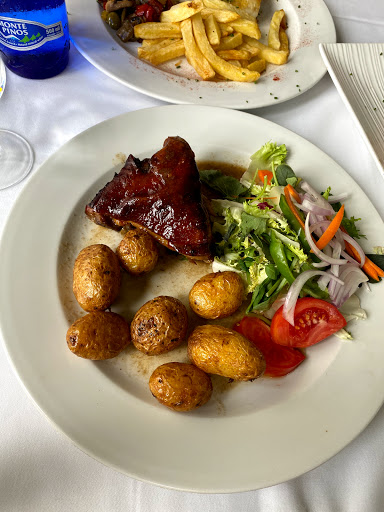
(292, 207)
(380, 271)
(331, 230)
(369, 267)
(294, 194)
(262, 173)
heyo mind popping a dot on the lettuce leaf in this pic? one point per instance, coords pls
(268, 157)
(228, 186)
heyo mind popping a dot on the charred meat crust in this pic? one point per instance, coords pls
(162, 195)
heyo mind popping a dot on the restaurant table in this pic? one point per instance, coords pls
(40, 469)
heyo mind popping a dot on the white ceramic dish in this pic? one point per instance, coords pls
(250, 435)
(310, 23)
(357, 70)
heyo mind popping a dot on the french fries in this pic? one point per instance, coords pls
(269, 54)
(226, 30)
(250, 49)
(153, 30)
(162, 52)
(222, 16)
(218, 39)
(274, 29)
(230, 42)
(284, 43)
(213, 30)
(219, 4)
(221, 66)
(234, 54)
(257, 65)
(155, 42)
(193, 53)
(246, 27)
(180, 12)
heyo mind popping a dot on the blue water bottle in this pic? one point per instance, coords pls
(34, 37)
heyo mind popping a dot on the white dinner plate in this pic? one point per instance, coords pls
(251, 434)
(357, 70)
(309, 23)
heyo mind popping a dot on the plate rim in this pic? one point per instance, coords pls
(241, 104)
(37, 175)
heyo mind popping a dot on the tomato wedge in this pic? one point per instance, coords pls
(280, 360)
(315, 320)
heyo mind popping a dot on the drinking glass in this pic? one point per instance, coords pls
(16, 155)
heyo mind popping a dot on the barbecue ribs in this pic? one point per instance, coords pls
(160, 195)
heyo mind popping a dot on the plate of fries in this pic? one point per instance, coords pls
(238, 53)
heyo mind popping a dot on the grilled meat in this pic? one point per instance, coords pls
(161, 195)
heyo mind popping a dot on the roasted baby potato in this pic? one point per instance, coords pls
(225, 352)
(98, 335)
(217, 295)
(138, 252)
(159, 326)
(96, 277)
(180, 386)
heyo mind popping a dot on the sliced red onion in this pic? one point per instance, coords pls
(314, 219)
(337, 199)
(334, 290)
(335, 269)
(319, 224)
(336, 254)
(349, 258)
(339, 238)
(321, 264)
(295, 289)
(323, 281)
(352, 277)
(320, 254)
(358, 248)
(275, 306)
(309, 206)
(320, 201)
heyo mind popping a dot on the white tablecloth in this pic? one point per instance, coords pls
(40, 469)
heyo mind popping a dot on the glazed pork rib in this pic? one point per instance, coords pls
(160, 195)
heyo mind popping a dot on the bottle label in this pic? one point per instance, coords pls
(26, 35)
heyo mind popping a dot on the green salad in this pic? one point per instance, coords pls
(286, 239)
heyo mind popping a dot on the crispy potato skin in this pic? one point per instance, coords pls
(159, 326)
(138, 252)
(180, 386)
(225, 352)
(96, 277)
(98, 335)
(217, 295)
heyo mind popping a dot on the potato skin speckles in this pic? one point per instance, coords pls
(159, 326)
(221, 351)
(180, 386)
(96, 277)
(98, 335)
(138, 252)
(217, 295)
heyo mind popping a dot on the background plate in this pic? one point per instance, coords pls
(309, 23)
(250, 435)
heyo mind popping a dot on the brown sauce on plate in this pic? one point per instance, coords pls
(226, 168)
